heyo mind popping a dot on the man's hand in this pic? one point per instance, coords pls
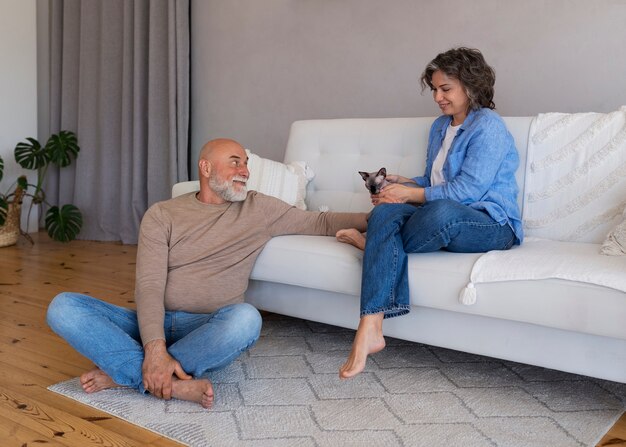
(158, 368)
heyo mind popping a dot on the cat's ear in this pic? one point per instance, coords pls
(382, 171)
(365, 175)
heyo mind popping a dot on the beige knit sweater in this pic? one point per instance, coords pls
(197, 258)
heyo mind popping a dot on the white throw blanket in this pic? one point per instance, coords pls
(545, 259)
(575, 191)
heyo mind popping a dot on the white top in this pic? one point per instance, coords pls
(436, 173)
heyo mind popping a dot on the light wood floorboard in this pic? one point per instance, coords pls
(32, 357)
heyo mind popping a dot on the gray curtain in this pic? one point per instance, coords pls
(119, 78)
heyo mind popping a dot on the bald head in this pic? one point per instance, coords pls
(214, 147)
(223, 171)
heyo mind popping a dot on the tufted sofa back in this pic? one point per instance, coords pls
(337, 149)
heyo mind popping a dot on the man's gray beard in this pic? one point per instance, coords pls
(226, 190)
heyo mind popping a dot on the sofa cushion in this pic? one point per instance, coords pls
(318, 262)
(435, 280)
(287, 182)
(575, 176)
(321, 262)
(336, 149)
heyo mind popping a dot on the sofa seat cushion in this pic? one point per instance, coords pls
(553, 302)
(318, 262)
(436, 279)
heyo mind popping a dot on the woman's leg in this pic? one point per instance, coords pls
(384, 283)
(395, 230)
(449, 225)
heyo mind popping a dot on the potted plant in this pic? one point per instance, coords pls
(62, 224)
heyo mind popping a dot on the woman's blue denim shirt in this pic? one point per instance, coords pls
(479, 169)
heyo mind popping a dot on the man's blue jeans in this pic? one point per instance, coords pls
(393, 230)
(108, 335)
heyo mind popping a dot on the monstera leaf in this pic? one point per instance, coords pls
(61, 147)
(31, 155)
(63, 224)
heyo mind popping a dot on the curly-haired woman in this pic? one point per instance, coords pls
(465, 202)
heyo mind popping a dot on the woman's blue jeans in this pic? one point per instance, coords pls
(108, 335)
(393, 230)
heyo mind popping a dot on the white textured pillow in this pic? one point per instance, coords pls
(615, 242)
(285, 181)
(575, 182)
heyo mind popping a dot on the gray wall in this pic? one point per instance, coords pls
(258, 65)
(18, 92)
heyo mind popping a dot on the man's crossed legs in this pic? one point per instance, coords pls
(109, 336)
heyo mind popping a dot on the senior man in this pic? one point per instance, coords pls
(194, 259)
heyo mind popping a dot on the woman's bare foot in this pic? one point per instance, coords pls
(368, 340)
(351, 236)
(96, 380)
(195, 390)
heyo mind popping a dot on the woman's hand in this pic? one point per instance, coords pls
(394, 178)
(397, 193)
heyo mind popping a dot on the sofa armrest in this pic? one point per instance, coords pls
(184, 187)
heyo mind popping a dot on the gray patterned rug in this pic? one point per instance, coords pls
(286, 392)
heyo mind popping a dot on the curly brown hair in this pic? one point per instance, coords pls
(469, 67)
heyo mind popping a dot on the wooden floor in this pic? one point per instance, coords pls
(32, 357)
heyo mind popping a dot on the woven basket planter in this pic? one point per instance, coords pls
(10, 231)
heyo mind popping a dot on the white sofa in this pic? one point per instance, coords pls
(568, 325)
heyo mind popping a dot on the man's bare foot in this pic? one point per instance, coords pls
(96, 380)
(195, 390)
(368, 340)
(351, 236)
